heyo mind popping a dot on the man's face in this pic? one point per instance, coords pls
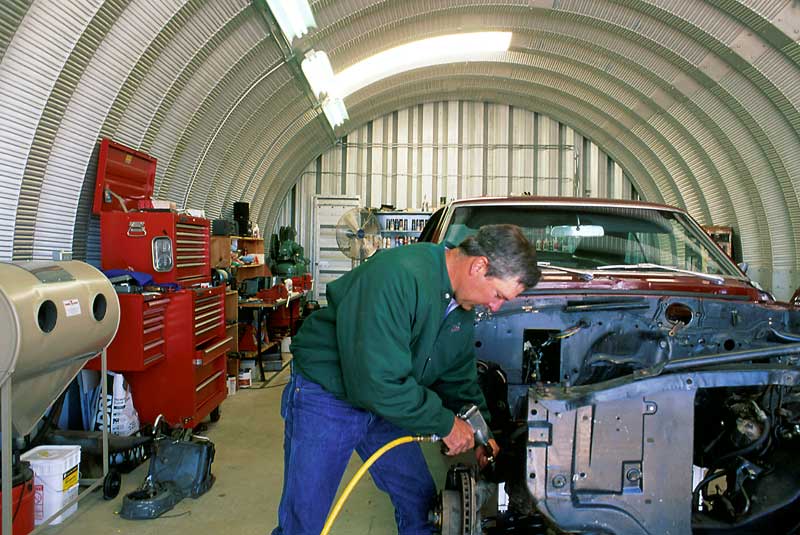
(491, 292)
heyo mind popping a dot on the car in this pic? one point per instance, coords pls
(646, 385)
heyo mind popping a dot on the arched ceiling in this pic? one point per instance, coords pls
(697, 100)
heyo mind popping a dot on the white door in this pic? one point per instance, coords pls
(329, 262)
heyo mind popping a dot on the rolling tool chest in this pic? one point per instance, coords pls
(171, 344)
(191, 382)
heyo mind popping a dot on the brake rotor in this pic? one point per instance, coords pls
(457, 510)
(468, 512)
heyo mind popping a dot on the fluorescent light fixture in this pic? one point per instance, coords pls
(317, 69)
(451, 48)
(334, 111)
(293, 16)
(318, 72)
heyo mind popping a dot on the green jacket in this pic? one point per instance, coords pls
(384, 345)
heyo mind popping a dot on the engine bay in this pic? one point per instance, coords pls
(636, 414)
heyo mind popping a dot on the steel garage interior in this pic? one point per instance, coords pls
(694, 104)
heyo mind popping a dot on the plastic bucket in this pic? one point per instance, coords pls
(21, 502)
(56, 473)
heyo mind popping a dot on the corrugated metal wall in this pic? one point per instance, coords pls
(454, 149)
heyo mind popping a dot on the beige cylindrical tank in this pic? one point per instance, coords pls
(54, 316)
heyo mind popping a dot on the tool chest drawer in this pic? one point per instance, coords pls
(140, 341)
(208, 312)
(213, 351)
(214, 381)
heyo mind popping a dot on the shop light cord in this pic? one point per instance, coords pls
(361, 471)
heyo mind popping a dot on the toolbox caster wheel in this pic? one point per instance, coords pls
(111, 485)
(215, 415)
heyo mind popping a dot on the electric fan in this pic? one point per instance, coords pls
(358, 234)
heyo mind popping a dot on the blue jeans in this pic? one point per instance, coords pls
(321, 434)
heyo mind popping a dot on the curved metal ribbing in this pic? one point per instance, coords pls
(210, 74)
(124, 122)
(698, 101)
(287, 105)
(682, 57)
(13, 13)
(52, 116)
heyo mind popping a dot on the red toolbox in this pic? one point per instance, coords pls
(191, 382)
(172, 247)
(171, 345)
(141, 339)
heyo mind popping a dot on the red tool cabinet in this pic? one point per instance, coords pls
(191, 381)
(171, 344)
(171, 247)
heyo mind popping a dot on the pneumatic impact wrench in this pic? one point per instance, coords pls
(474, 418)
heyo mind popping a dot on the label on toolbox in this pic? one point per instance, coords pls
(70, 478)
(72, 307)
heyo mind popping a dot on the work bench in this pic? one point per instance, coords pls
(262, 308)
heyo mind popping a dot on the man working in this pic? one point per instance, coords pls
(392, 355)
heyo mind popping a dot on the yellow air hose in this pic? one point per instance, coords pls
(361, 471)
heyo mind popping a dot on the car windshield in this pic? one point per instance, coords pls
(601, 237)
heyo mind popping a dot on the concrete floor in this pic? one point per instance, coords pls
(248, 469)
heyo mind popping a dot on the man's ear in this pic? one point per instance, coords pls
(478, 265)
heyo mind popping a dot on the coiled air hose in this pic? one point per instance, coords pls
(361, 471)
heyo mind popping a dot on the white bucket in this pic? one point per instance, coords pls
(245, 379)
(285, 343)
(56, 473)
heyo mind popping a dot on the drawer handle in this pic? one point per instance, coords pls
(191, 277)
(151, 319)
(153, 344)
(207, 382)
(216, 317)
(154, 328)
(136, 229)
(205, 315)
(207, 304)
(154, 358)
(218, 345)
(209, 328)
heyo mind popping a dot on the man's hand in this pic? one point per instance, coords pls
(482, 454)
(460, 439)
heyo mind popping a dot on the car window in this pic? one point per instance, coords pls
(585, 237)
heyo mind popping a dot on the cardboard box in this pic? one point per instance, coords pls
(233, 367)
(163, 205)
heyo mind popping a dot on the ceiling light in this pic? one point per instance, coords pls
(293, 16)
(318, 72)
(424, 53)
(334, 111)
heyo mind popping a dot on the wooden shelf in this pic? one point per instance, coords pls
(232, 318)
(221, 255)
(264, 347)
